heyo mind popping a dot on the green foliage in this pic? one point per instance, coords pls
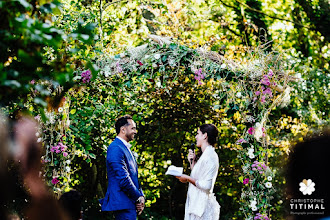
(27, 33)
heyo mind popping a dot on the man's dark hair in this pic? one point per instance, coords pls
(71, 203)
(122, 121)
(212, 132)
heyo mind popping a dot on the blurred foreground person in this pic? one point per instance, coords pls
(26, 153)
(71, 203)
(307, 179)
(201, 203)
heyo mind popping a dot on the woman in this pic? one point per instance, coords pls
(201, 203)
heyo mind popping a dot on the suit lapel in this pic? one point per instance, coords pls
(129, 154)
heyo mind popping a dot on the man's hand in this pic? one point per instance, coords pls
(140, 205)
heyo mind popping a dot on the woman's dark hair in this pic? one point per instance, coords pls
(122, 121)
(212, 133)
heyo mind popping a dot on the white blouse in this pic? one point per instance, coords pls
(201, 202)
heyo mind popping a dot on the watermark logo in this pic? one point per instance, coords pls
(307, 187)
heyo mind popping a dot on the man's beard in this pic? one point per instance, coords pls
(130, 137)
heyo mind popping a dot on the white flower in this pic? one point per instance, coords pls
(268, 185)
(251, 152)
(67, 169)
(307, 187)
(239, 95)
(154, 65)
(223, 66)
(68, 122)
(39, 140)
(269, 178)
(286, 97)
(254, 208)
(157, 56)
(258, 131)
(68, 161)
(253, 202)
(60, 109)
(37, 134)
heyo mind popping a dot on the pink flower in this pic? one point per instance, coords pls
(54, 148)
(263, 99)
(140, 63)
(257, 93)
(58, 151)
(55, 181)
(251, 130)
(246, 181)
(32, 82)
(65, 154)
(61, 146)
(270, 73)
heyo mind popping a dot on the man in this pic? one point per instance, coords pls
(124, 195)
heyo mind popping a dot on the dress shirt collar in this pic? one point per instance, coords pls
(128, 145)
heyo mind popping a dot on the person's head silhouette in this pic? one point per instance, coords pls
(307, 177)
(71, 203)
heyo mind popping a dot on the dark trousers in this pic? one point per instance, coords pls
(125, 214)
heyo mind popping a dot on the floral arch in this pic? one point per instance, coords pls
(250, 90)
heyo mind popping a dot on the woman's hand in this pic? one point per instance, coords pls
(183, 178)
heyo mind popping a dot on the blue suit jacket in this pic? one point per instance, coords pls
(123, 185)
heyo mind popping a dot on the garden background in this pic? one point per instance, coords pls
(77, 65)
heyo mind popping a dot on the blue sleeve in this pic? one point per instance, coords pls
(116, 159)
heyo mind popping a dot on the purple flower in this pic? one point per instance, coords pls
(86, 76)
(257, 93)
(119, 69)
(241, 141)
(268, 91)
(38, 117)
(259, 167)
(261, 217)
(55, 181)
(265, 80)
(199, 75)
(251, 130)
(246, 181)
(65, 154)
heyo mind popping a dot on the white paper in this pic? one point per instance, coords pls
(174, 171)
